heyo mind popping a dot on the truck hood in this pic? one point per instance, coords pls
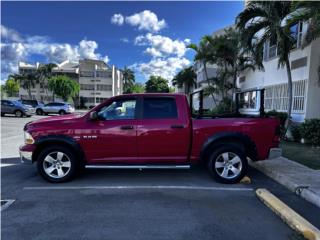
(53, 121)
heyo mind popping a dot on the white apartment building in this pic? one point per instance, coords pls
(305, 69)
(97, 80)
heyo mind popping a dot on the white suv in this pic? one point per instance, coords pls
(55, 107)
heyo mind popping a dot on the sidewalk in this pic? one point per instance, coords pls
(298, 178)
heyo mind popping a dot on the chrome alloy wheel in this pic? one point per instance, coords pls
(56, 164)
(228, 165)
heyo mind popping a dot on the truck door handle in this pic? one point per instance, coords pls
(128, 127)
(177, 126)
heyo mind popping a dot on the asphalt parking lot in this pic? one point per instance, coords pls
(132, 204)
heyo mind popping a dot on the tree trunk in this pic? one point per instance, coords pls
(208, 81)
(29, 92)
(287, 123)
(233, 89)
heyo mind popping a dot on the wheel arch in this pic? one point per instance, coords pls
(243, 140)
(62, 140)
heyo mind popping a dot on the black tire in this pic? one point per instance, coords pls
(39, 112)
(224, 170)
(18, 113)
(68, 155)
(2, 114)
(62, 112)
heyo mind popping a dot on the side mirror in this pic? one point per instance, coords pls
(93, 115)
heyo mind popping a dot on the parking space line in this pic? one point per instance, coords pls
(140, 187)
(6, 164)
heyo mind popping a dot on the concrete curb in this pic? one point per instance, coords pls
(293, 219)
(301, 190)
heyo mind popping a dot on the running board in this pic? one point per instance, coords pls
(139, 166)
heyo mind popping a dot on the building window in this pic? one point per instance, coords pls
(298, 96)
(88, 99)
(86, 74)
(270, 49)
(103, 74)
(100, 99)
(242, 79)
(276, 97)
(87, 87)
(104, 87)
(296, 34)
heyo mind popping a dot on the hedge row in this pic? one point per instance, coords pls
(309, 130)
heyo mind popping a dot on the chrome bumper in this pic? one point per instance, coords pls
(26, 157)
(275, 153)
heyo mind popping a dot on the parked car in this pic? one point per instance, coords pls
(16, 108)
(148, 131)
(34, 103)
(55, 107)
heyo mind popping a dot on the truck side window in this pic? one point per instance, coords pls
(120, 109)
(159, 108)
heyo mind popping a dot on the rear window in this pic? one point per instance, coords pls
(30, 102)
(159, 108)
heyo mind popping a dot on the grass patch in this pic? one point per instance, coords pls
(301, 153)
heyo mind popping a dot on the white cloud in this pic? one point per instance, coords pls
(145, 20)
(161, 45)
(12, 52)
(125, 40)
(10, 34)
(117, 19)
(153, 52)
(164, 67)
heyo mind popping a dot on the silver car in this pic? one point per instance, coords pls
(16, 108)
(55, 107)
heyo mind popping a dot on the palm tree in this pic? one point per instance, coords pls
(44, 73)
(187, 78)
(261, 21)
(26, 80)
(128, 80)
(203, 55)
(230, 57)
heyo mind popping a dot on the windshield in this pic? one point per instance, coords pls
(17, 103)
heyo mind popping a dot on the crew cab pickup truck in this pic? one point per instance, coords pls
(147, 131)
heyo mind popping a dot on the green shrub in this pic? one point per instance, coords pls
(310, 130)
(224, 106)
(281, 115)
(296, 132)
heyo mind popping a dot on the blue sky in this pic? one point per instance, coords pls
(150, 37)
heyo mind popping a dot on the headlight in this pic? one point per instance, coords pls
(28, 139)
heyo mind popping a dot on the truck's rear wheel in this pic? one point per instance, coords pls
(57, 164)
(228, 163)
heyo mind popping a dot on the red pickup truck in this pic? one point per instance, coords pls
(147, 131)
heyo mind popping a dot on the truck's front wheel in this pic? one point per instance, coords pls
(57, 164)
(228, 163)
